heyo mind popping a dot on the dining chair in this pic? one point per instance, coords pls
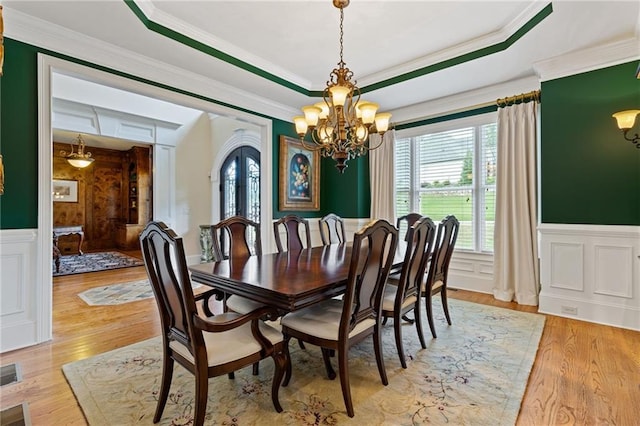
(243, 238)
(336, 325)
(240, 233)
(331, 229)
(404, 296)
(403, 223)
(436, 282)
(291, 224)
(205, 346)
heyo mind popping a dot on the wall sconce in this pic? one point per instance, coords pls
(78, 159)
(625, 120)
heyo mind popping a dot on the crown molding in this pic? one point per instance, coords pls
(45, 35)
(164, 19)
(471, 46)
(586, 60)
(466, 101)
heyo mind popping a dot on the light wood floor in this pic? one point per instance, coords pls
(584, 374)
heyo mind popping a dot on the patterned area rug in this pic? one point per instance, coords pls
(92, 262)
(474, 373)
(116, 294)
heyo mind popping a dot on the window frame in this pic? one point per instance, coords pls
(478, 210)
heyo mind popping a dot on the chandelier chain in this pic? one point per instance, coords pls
(341, 33)
(340, 125)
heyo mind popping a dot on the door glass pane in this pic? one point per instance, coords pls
(229, 191)
(253, 190)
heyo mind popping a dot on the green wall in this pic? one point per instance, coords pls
(589, 173)
(347, 195)
(19, 137)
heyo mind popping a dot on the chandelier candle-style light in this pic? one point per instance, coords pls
(78, 159)
(340, 125)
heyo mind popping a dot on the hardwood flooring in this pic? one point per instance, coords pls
(584, 374)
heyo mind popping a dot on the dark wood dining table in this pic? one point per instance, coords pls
(288, 281)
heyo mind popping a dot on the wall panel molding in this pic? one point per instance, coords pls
(591, 273)
(18, 297)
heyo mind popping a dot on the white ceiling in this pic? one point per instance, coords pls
(297, 41)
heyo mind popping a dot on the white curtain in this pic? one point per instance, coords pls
(381, 175)
(515, 241)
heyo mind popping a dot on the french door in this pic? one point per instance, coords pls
(240, 184)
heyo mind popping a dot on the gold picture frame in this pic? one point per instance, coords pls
(299, 176)
(64, 191)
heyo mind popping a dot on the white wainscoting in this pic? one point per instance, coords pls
(18, 289)
(351, 226)
(471, 271)
(591, 273)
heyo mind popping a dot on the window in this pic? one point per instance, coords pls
(451, 169)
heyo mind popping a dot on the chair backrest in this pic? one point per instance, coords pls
(403, 223)
(332, 229)
(420, 242)
(372, 255)
(242, 234)
(164, 259)
(443, 249)
(292, 224)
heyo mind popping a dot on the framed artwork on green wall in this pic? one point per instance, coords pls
(299, 176)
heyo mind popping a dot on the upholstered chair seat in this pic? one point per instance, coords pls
(323, 320)
(231, 345)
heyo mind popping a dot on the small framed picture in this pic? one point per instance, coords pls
(64, 191)
(299, 176)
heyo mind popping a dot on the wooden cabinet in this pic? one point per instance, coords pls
(137, 196)
(138, 179)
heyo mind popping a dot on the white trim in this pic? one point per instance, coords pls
(473, 45)
(614, 231)
(43, 34)
(586, 60)
(44, 290)
(466, 101)
(475, 120)
(46, 66)
(244, 137)
(184, 28)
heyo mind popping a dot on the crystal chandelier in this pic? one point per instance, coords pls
(340, 125)
(78, 159)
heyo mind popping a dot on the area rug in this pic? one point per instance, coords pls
(117, 294)
(92, 262)
(474, 373)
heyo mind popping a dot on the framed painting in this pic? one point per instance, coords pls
(64, 191)
(299, 176)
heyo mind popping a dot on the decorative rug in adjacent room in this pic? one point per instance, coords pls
(474, 373)
(117, 294)
(92, 262)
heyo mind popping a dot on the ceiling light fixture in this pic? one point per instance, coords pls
(340, 125)
(626, 120)
(78, 159)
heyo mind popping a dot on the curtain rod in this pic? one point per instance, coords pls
(523, 97)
